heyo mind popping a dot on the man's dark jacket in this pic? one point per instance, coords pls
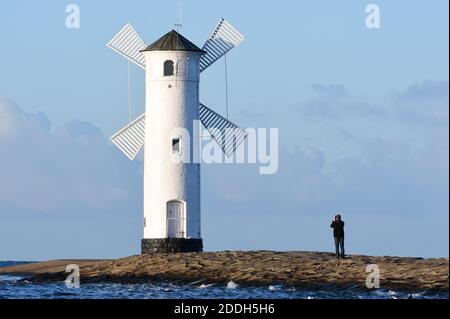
(338, 228)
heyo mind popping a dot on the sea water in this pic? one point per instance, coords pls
(17, 287)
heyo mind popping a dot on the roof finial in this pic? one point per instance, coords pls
(179, 25)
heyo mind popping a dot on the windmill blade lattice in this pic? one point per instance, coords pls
(224, 38)
(228, 135)
(131, 138)
(128, 44)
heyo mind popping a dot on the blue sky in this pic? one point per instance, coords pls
(362, 117)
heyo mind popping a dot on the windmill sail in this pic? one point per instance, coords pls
(224, 38)
(225, 133)
(130, 139)
(128, 44)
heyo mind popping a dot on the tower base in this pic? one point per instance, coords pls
(171, 245)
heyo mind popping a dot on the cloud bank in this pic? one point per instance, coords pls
(62, 189)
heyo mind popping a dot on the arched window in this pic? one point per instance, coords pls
(176, 145)
(168, 68)
(182, 67)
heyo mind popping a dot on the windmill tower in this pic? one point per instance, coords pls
(172, 67)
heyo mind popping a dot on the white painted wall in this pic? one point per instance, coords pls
(171, 102)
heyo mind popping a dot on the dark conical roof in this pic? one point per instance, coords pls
(173, 41)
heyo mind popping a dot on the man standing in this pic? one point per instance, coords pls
(338, 232)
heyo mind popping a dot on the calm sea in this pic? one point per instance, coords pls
(12, 287)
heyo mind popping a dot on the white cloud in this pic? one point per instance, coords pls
(334, 102)
(64, 192)
(70, 168)
(425, 103)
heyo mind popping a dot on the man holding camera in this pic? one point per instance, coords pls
(338, 232)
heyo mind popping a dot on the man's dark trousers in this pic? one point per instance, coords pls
(339, 243)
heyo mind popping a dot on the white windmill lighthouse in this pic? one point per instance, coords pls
(172, 67)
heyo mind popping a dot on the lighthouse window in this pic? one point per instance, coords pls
(168, 68)
(182, 67)
(176, 148)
